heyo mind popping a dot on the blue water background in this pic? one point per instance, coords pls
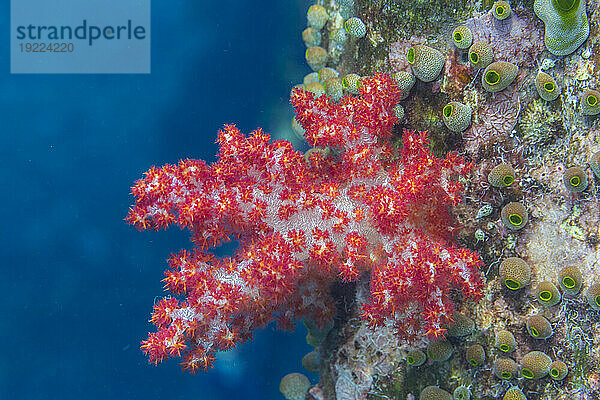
(78, 284)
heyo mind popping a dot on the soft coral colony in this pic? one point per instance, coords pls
(366, 210)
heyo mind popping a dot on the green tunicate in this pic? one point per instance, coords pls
(462, 37)
(505, 368)
(311, 36)
(570, 279)
(294, 386)
(311, 78)
(326, 73)
(535, 365)
(566, 22)
(595, 164)
(434, 393)
(514, 393)
(462, 393)
(312, 361)
(515, 273)
(315, 87)
(460, 326)
(440, 350)
(548, 294)
(481, 55)
(399, 111)
(558, 370)
(501, 10)
(351, 83)
(416, 358)
(498, 75)
(539, 327)
(501, 175)
(405, 81)
(317, 16)
(475, 355)
(333, 88)
(505, 341)
(546, 86)
(456, 116)
(355, 27)
(316, 57)
(593, 296)
(514, 216)
(426, 62)
(590, 102)
(575, 179)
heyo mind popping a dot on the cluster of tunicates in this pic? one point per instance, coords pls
(442, 349)
(322, 54)
(498, 75)
(341, 28)
(533, 365)
(294, 386)
(515, 275)
(514, 215)
(571, 282)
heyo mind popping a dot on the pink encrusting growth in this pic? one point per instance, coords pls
(303, 224)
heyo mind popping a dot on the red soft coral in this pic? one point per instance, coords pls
(304, 224)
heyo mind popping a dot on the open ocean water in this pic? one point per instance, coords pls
(78, 283)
